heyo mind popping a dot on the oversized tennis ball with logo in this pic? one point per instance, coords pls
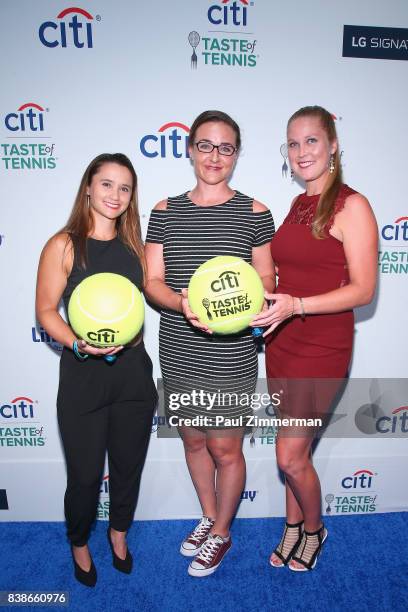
(225, 293)
(106, 310)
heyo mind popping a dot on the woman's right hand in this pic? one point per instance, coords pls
(97, 351)
(189, 314)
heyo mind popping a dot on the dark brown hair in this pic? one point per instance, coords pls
(327, 200)
(214, 115)
(80, 223)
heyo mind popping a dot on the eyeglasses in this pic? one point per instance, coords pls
(207, 147)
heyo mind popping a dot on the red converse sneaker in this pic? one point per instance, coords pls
(210, 556)
(193, 542)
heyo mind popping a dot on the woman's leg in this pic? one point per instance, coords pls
(84, 440)
(226, 452)
(294, 513)
(294, 459)
(129, 431)
(130, 425)
(201, 467)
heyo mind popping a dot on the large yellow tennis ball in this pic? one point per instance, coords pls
(106, 310)
(225, 293)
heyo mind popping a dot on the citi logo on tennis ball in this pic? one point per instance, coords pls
(102, 336)
(106, 310)
(226, 293)
(226, 280)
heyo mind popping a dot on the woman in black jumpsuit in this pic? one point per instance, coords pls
(102, 406)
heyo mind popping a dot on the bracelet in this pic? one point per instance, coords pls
(302, 309)
(80, 356)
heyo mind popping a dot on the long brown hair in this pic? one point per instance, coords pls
(80, 223)
(327, 200)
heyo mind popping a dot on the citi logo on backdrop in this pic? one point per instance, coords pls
(396, 423)
(29, 117)
(357, 498)
(29, 120)
(17, 427)
(102, 512)
(73, 27)
(171, 140)
(394, 260)
(229, 13)
(396, 231)
(361, 479)
(104, 488)
(227, 42)
(20, 407)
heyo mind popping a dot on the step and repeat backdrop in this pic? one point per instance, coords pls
(128, 76)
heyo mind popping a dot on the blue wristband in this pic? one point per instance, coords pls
(110, 358)
(78, 355)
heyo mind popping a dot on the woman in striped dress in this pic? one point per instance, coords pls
(185, 231)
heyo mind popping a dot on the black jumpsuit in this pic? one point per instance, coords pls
(104, 407)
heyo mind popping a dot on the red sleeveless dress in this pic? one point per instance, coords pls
(319, 346)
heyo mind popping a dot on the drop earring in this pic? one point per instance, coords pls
(292, 175)
(332, 165)
(88, 199)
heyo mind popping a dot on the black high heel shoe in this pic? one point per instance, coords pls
(122, 565)
(309, 549)
(88, 578)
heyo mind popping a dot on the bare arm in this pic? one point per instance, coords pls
(53, 270)
(355, 225)
(156, 289)
(262, 258)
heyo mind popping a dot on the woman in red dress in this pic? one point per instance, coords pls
(326, 255)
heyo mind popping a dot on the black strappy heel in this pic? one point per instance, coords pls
(309, 549)
(288, 544)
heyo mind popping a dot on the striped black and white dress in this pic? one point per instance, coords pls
(224, 366)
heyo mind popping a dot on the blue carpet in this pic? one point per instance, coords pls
(363, 568)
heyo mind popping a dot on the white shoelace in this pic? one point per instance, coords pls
(203, 526)
(210, 548)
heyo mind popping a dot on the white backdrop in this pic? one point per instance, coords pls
(111, 77)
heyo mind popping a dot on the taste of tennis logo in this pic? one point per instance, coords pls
(356, 496)
(228, 41)
(394, 260)
(171, 140)
(28, 121)
(17, 423)
(73, 32)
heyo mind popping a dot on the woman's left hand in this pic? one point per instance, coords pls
(281, 308)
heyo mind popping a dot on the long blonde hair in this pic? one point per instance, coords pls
(80, 223)
(326, 205)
